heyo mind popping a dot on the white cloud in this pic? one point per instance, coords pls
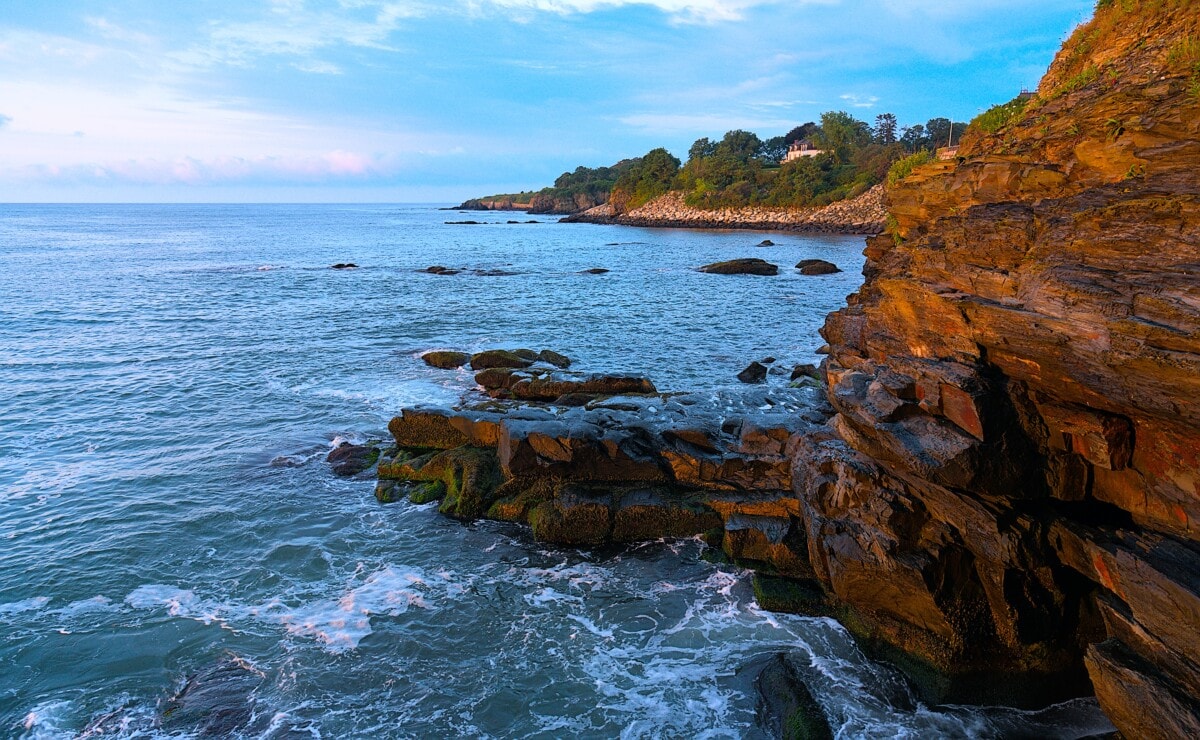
(860, 101)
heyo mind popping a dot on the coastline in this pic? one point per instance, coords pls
(864, 215)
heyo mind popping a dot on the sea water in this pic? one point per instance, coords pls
(172, 378)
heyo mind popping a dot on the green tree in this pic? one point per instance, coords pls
(803, 132)
(649, 178)
(885, 128)
(772, 150)
(842, 135)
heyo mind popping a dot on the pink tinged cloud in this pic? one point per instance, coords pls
(335, 166)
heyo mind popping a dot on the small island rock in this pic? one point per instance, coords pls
(502, 358)
(816, 267)
(745, 266)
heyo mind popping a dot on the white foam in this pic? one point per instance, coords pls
(343, 622)
(25, 605)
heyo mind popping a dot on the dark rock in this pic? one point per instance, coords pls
(446, 359)
(215, 702)
(349, 459)
(816, 267)
(806, 371)
(554, 358)
(766, 243)
(756, 372)
(513, 222)
(594, 271)
(533, 221)
(465, 223)
(767, 360)
(440, 270)
(786, 706)
(746, 266)
(344, 266)
(500, 358)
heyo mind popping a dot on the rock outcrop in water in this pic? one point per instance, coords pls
(620, 468)
(1012, 478)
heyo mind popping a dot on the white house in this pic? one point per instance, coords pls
(799, 149)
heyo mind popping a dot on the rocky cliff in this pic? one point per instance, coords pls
(561, 204)
(1012, 478)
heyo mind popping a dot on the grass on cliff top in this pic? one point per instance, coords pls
(999, 116)
(904, 167)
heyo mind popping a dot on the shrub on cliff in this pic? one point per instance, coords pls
(904, 167)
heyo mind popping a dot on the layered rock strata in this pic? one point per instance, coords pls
(1012, 478)
(617, 469)
(862, 215)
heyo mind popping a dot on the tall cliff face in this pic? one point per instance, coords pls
(1012, 479)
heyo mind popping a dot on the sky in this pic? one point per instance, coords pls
(417, 101)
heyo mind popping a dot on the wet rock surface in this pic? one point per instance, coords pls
(215, 702)
(349, 459)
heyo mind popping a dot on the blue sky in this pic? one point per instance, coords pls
(408, 100)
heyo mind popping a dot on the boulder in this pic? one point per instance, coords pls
(554, 358)
(446, 359)
(746, 266)
(350, 459)
(500, 358)
(766, 243)
(787, 705)
(806, 370)
(440, 270)
(755, 372)
(816, 267)
(344, 266)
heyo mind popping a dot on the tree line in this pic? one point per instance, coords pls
(742, 169)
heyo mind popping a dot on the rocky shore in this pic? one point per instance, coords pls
(1000, 489)
(862, 215)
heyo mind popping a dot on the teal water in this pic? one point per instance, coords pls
(172, 377)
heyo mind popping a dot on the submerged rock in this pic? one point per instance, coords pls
(350, 459)
(766, 243)
(745, 266)
(440, 270)
(816, 267)
(344, 266)
(215, 702)
(595, 271)
(786, 705)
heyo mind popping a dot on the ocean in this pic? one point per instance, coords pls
(172, 378)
